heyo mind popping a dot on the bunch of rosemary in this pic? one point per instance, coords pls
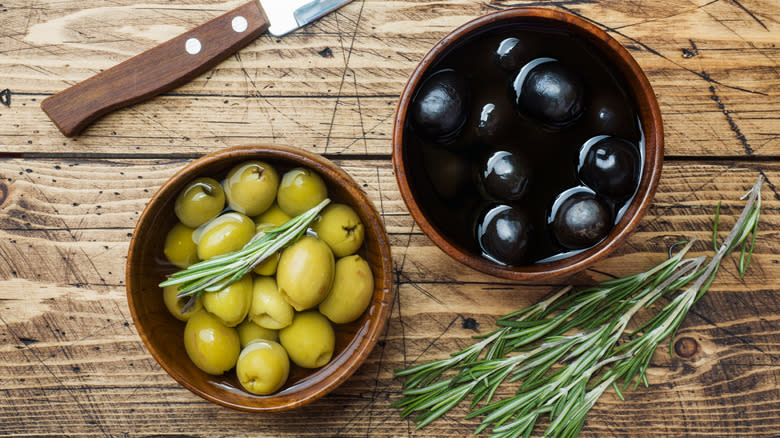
(221, 271)
(568, 349)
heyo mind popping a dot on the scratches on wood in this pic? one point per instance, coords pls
(732, 124)
(72, 363)
(346, 103)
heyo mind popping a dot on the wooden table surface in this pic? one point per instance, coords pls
(71, 361)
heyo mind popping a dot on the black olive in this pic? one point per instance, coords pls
(511, 54)
(580, 219)
(610, 166)
(440, 107)
(504, 233)
(493, 118)
(610, 113)
(547, 91)
(489, 121)
(505, 175)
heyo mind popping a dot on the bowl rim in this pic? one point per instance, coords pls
(350, 363)
(648, 109)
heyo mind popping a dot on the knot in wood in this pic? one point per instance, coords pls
(686, 347)
(3, 193)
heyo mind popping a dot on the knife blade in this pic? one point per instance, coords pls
(179, 60)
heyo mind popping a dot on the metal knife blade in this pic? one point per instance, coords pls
(288, 15)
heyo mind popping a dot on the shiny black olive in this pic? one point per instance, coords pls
(505, 175)
(610, 113)
(504, 233)
(511, 54)
(489, 121)
(440, 107)
(547, 91)
(493, 118)
(580, 219)
(610, 166)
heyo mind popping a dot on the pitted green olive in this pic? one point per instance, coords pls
(269, 308)
(229, 232)
(200, 201)
(179, 247)
(251, 187)
(211, 346)
(340, 227)
(268, 266)
(248, 331)
(305, 272)
(309, 340)
(263, 367)
(353, 286)
(274, 216)
(174, 305)
(300, 190)
(230, 304)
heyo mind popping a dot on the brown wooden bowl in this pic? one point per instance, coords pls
(621, 64)
(163, 334)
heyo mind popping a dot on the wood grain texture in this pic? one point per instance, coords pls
(333, 85)
(71, 362)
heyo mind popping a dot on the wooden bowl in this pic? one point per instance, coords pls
(163, 334)
(619, 62)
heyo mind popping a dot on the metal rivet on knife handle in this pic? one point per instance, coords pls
(192, 46)
(239, 24)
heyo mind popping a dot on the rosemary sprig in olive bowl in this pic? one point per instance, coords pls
(567, 350)
(220, 272)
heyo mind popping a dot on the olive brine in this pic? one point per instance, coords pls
(522, 145)
(284, 311)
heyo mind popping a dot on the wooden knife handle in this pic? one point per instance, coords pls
(155, 71)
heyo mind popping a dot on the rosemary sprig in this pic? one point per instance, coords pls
(221, 271)
(567, 349)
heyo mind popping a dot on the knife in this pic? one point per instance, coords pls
(178, 60)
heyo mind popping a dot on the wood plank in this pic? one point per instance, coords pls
(73, 364)
(716, 77)
(77, 215)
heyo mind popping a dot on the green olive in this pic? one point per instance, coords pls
(248, 331)
(179, 247)
(353, 286)
(200, 201)
(174, 305)
(269, 308)
(268, 266)
(229, 232)
(309, 340)
(231, 304)
(305, 272)
(274, 216)
(251, 187)
(300, 190)
(263, 367)
(211, 346)
(340, 227)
